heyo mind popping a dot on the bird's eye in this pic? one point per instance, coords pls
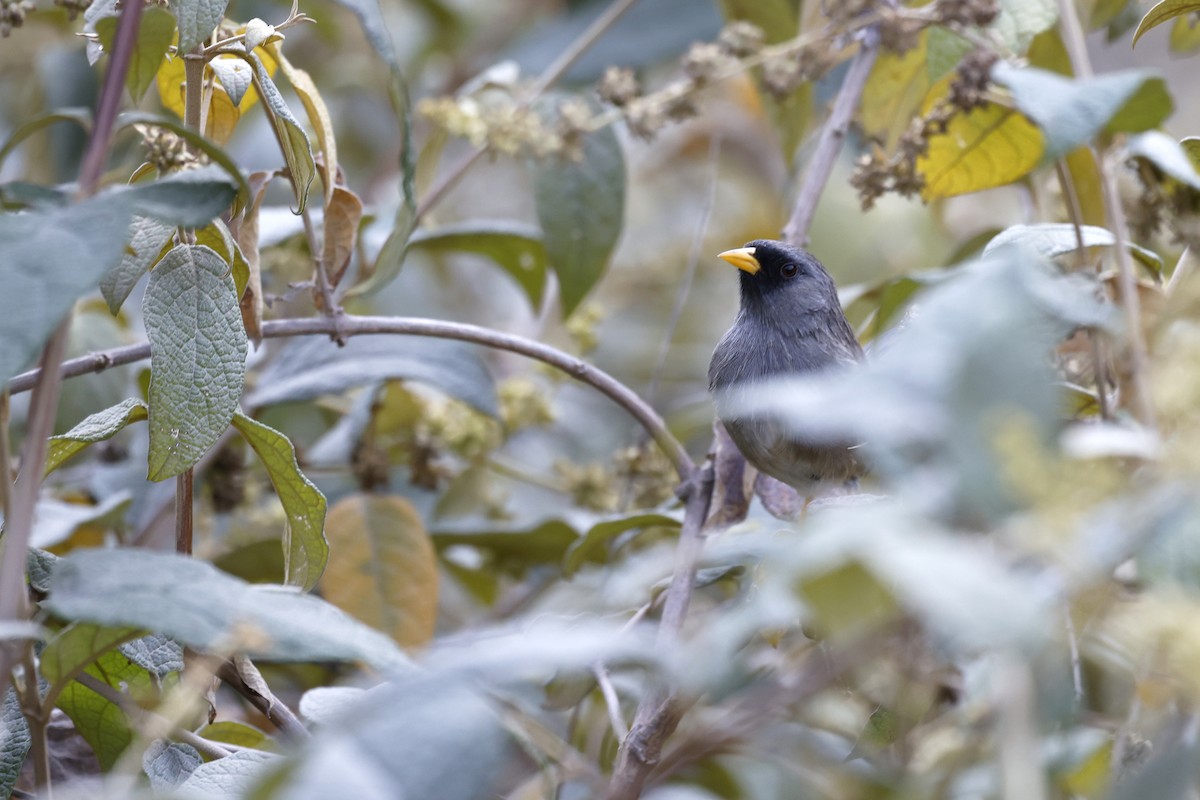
(789, 270)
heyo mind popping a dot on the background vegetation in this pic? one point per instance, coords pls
(381, 462)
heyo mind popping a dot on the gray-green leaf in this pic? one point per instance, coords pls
(197, 18)
(293, 141)
(14, 742)
(95, 428)
(207, 609)
(147, 241)
(197, 356)
(515, 247)
(581, 207)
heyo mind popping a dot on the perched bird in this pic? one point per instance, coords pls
(790, 323)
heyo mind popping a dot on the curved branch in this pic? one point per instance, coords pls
(348, 326)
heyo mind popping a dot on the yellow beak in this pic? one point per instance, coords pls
(742, 258)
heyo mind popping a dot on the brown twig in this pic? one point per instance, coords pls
(660, 710)
(184, 485)
(1142, 403)
(577, 368)
(820, 166)
(268, 704)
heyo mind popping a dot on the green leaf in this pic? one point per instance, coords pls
(293, 141)
(197, 18)
(383, 570)
(197, 357)
(169, 764)
(190, 198)
(75, 647)
(52, 257)
(895, 88)
(237, 733)
(95, 428)
(590, 546)
(1185, 35)
(80, 116)
(1072, 112)
(218, 237)
(1167, 154)
(580, 206)
(149, 237)
(1167, 9)
(206, 609)
(156, 33)
(1020, 20)
(102, 723)
(305, 551)
(514, 247)
(945, 50)
(311, 367)
(195, 139)
(779, 19)
(15, 740)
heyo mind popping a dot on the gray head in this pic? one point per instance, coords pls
(781, 281)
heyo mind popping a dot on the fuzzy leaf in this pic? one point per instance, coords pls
(516, 248)
(197, 360)
(293, 141)
(96, 428)
(197, 19)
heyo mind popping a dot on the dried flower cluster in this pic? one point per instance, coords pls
(12, 14)
(167, 151)
(76, 7)
(1163, 201)
(498, 122)
(649, 475)
(878, 172)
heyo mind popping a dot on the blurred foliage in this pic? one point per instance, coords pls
(452, 562)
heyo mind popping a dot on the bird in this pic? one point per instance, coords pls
(790, 324)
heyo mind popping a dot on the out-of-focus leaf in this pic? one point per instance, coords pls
(324, 704)
(80, 116)
(155, 34)
(1056, 238)
(1185, 35)
(157, 654)
(453, 738)
(223, 117)
(382, 569)
(1163, 11)
(15, 741)
(778, 19)
(204, 608)
(602, 531)
(190, 198)
(343, 213)
(197, 19)
(945, 50)
(305, 551)
(76, 646)
(883, 301)
(197, 340)
(581, 207)
(516, 248)
(981, 149)
(1085, 175)
(308, 368)
(1168, 774)
(895, 88)
(1020, 20)
(293, 141)
(1071, 112)
(233, 777)
(1166, 154)
(51, 257)
(56, 521)
(168, 764)
(149, 237)
(96, 428)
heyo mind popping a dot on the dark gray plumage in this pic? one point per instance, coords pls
(790, 323)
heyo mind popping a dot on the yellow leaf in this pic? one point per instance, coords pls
(382, 567)
(894, 91)
(981, 149)
(222, 117)
(170, 79)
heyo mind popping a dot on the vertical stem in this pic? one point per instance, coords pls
(1142, 403)
(183, 511)
(830, 143)
(193, 78)
(37, 716)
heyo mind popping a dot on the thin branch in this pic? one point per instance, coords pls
(820, 166)
(109, 102)
(544, 81)
(611, 701)
(659, 711)
(577, 368)
(1142, 403)
(137, 714)
(271, 706)
(1099, 372)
